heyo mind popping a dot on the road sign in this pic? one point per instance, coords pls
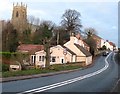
(65, 51)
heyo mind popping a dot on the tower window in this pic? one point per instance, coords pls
(23, 14)
(17, 14)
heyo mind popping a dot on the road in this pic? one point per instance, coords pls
(99, 78)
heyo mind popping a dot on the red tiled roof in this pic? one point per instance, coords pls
(111, 43)
(30, 47)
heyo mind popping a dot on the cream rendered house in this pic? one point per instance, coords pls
(59, 55)
(82, 55)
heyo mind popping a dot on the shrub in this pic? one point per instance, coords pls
(6, 54)
(4, 67)
(104, 47)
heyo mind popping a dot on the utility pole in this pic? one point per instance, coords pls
(58, 36)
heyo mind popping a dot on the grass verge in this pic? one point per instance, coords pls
(53, 68)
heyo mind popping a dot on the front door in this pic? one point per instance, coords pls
(62, 60)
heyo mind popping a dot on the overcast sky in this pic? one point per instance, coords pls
(99, 14)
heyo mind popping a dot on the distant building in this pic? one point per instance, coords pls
(101, 42)
(110, 45)
(19, 16)
(98, 40)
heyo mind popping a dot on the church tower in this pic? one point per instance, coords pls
(19, 16)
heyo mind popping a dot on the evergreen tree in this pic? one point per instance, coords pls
(44, 35)
(13, 41)
(9, 38)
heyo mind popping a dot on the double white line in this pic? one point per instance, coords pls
(44, 88)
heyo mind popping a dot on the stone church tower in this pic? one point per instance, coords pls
(19, 16)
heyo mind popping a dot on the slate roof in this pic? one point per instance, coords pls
(69, 50)
(87, 53)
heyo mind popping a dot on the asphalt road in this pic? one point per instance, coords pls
(99, 78)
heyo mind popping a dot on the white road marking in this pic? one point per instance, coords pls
(44, 88)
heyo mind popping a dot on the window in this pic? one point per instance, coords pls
(53, 59)
(23, 14)
(33, 59)
(39, 58)
(17, 14)
(42, 58)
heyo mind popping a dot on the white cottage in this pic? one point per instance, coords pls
(59, 55)
(82, 55)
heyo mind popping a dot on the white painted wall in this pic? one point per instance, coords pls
(57, 52)
(89, 60)
(108, 46)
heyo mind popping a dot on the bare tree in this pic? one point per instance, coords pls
(71, 21)
(37, 21)
(90, 40)
(33, 21)
(61, 35)
(90, 31)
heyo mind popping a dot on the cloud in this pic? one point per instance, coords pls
(5, 8)
(114, 27)
(37, 12)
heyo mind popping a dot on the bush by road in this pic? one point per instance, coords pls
(53, 68)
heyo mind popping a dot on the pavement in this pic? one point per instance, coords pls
(116, 88)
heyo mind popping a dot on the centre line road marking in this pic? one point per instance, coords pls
(44, 88)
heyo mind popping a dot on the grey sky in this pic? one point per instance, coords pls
(101, 15)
